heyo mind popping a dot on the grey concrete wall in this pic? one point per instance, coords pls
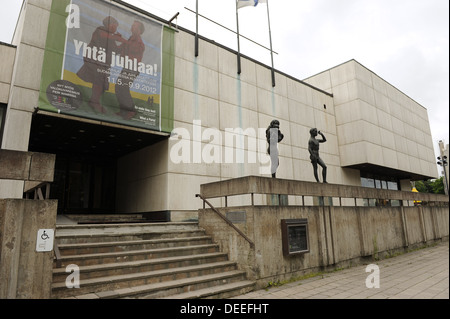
(377, 123)
(25, 273)
(338, 236)
(20, 171)
(29, 37)
(8, 54)
(261, 185)
(208, 89)
(27, 166)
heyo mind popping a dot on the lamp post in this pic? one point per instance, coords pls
(442, 161)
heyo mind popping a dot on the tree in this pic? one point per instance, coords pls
(433, 186)
(438, 186)
(423, 187)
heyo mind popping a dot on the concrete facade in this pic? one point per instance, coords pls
(25, 273)
(377, 123)
(365, 119)
(337, 235)
(444, 169)
(8, 54)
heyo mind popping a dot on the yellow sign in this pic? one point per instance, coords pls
(414, 190)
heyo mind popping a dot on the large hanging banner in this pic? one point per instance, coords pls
(106, 63)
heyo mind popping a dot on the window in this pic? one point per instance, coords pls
(2, 120)
(379, 182)
(392, 186)
(367, 182)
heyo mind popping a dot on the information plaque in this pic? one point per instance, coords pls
(44, 240)
(294, 236)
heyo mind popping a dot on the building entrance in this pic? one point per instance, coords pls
(87, 153)
(84, 185)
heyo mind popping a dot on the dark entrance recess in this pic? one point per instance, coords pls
(86, 158)
(84, 185)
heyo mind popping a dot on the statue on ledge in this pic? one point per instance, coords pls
(273, 136)
(313, 148)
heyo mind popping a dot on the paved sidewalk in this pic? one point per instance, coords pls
(421, 274)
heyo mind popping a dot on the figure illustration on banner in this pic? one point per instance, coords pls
(106, 65)
(97, 61)
(133, 49)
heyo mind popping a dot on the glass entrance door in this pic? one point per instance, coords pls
(84, 185)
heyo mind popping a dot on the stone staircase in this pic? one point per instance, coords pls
(144, 260)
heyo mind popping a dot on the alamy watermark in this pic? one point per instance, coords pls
(373, 280)
(73, 19)
(211, 145)
(73, 279)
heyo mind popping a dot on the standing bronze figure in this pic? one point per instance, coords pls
(313, 148)
(273, 136)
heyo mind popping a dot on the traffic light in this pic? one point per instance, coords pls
(442, 161)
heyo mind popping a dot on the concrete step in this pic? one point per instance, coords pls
(113, 269)
(117, 246)
(217, 292)
(143, 260)
(106, 218)
(133, 255)
(109, 237)
(141, 278)
(126, 227)
(66, 234)
(169, 288)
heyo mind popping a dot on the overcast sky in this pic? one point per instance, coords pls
(405, 42)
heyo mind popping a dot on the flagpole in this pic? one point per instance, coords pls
(271, 51)
(238, 42)
(196, 28)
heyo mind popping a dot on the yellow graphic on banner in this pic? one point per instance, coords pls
(72, 77)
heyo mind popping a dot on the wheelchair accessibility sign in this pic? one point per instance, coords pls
(44, 240)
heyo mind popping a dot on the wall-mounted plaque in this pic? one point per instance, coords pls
(295, 236)
(237, 217)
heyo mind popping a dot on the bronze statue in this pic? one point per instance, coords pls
(313, 148)
(273, 136)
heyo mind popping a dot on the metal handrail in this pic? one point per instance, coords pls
(252, 244)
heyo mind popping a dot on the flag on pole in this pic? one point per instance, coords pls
(246, 3)
(253, 3)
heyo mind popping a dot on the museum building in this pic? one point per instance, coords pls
(138, 122)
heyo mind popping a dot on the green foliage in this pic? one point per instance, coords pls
(279, 283)
(438, 186)
(434, 186)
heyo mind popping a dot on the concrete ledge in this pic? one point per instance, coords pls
(337, 235)
(27, 166)
(265, 185)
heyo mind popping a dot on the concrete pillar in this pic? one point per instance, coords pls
(24, 272)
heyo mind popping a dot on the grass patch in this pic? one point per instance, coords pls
(279, 283)
(410, 250)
